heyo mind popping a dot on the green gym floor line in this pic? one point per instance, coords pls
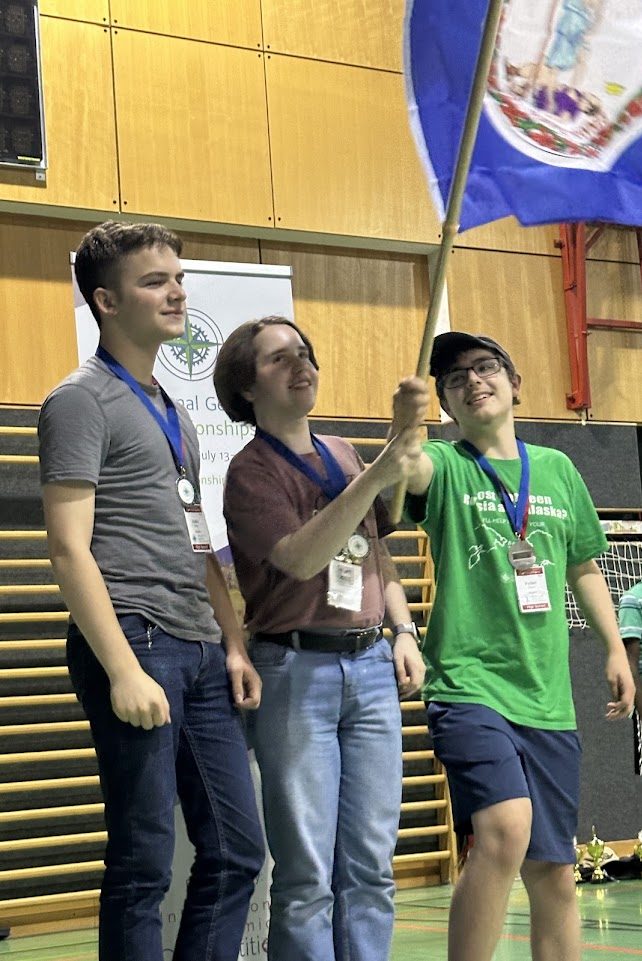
(611, 923)
(611, 928)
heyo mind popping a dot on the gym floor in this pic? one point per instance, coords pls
(611, 927)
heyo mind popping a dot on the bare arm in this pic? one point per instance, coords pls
(69, 516)
(592, 595)
(410, 402)
(633, 653)
(308, 550)
(246, 683)
(409, 664)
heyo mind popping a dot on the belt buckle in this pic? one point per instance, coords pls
(362, 636)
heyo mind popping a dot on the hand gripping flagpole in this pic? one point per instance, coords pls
(450, 225)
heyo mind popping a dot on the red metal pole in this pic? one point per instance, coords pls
(573, 246)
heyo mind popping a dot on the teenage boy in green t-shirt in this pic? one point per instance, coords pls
(630, 621)
(509, 524)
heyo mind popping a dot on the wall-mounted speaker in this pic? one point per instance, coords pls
(22, 127)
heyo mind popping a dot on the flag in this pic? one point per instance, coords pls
(560, 134)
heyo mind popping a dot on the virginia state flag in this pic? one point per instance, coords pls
(560, 135)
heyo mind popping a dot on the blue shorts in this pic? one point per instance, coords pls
(489, 759)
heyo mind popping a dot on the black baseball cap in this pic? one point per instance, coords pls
(446, 347)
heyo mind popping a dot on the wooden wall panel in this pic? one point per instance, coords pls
(37, 337)
(509, 235)
(364, 312)
(614, 290)
(518, 300)
(232, 250)
(343, 160)
(615, 243)
(354, 31)
(237, 23)
(615, 366)
(79, 115)
(91, 11)
(615, 357)
(37, 333)
(193, 138)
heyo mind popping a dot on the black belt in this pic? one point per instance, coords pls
(341, 642)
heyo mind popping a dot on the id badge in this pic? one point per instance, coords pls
(199, 535)
(345, 585)
(532, 592)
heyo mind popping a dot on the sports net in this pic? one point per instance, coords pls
(621, 565)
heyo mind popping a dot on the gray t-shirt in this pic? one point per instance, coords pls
(93, 428)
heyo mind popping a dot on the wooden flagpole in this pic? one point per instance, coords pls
(450, 225)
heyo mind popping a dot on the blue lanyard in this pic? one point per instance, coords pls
(516, 511)
(169, 425)
(331, 485)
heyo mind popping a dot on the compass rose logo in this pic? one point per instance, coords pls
(193, 355)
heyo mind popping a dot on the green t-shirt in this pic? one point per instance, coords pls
(479, 647)
(630, 616)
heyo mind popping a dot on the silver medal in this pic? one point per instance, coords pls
(185, 491)
(521, 555)
(358, 547)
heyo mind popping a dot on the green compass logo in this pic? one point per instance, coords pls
(193, 355)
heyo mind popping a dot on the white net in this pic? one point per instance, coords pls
(621, 565)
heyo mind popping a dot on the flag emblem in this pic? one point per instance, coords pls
(560, 132)
(565, 85)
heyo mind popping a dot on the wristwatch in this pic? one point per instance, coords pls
(406, 629)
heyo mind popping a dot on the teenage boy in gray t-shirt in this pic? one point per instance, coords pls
(119, 468)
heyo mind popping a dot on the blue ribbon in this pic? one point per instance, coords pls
(169, 425)
(335, 480)
(516, 511)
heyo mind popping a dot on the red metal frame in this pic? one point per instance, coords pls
(575, 242)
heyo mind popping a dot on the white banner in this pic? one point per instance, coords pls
(220, 297)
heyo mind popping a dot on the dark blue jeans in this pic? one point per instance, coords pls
(202, 757)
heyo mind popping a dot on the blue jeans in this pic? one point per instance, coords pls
(328, 742)
(202, 757)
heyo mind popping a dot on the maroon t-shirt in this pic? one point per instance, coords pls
(265, 499)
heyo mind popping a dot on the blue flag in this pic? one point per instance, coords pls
(560, 135)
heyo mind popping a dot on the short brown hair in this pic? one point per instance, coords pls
(235, 369)
(102, 249)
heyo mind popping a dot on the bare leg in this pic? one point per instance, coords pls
(478, 906)
(555, 919)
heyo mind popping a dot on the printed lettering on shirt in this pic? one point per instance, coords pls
(540, 505)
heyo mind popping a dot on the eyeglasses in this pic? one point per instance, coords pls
(484, 368)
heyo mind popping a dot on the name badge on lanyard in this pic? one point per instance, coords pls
(532, 592)
(345, 575)
(171, 427)
(530, 578)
